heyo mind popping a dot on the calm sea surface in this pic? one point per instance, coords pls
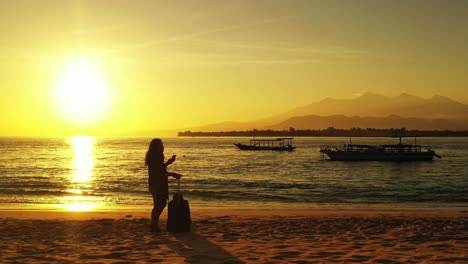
(85, 173)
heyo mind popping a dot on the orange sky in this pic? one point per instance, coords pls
(175, 64)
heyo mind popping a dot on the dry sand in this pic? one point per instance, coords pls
(236, 237)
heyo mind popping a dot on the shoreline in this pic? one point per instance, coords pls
(126, 213)
(210, 212)
(144, 212)
(230, 206)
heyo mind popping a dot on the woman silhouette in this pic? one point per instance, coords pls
(158, 179)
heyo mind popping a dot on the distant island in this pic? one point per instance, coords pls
(434, 115)
(329, 132)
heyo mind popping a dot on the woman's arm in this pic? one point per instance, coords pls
(170, 161)
(173, 174)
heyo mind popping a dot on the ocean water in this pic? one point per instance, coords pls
(100, 173)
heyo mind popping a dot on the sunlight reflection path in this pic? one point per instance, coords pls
(83, 164)
(82, 177)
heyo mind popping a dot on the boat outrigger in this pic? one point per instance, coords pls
(394, 152)
(280, 144)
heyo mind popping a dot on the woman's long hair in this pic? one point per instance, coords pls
(155, 149)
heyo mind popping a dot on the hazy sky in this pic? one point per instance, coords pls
(176, 64)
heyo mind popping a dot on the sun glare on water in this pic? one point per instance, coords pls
(81, 180)
(81, 94)
(83, 163)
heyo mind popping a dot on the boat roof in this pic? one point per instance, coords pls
(277, 139)
(385, 145)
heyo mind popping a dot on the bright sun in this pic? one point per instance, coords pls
(81, 94)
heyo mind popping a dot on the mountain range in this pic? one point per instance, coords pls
(369, 110)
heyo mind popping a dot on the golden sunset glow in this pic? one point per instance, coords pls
(82, 94)
(158, 67)
(76, 204)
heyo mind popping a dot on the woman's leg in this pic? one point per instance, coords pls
(158, 206)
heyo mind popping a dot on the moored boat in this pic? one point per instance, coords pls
(279, 144)
(393, 152)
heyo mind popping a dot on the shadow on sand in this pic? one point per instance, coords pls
(196, 249)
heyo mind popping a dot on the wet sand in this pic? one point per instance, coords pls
(238, 236)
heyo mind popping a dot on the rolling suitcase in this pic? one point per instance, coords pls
(178, 214)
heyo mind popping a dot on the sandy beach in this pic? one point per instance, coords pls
(236, 237)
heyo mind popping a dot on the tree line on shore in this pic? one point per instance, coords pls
(329, 132)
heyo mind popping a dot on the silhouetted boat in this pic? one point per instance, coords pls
(395, 152)
(280, 144)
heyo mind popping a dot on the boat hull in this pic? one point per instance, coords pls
(249, 147)
(378, 156)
